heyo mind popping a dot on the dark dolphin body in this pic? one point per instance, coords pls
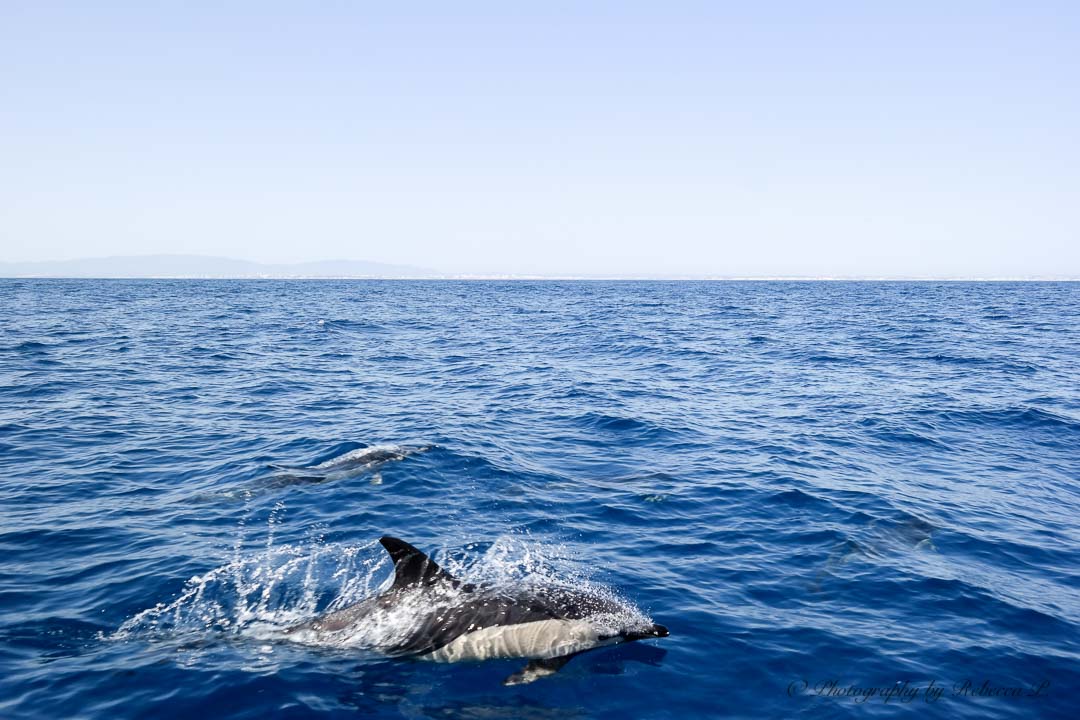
(349, 465)
(451, 621)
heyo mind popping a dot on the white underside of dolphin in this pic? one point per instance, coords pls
(538, 640)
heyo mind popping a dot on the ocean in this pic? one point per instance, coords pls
(845, 500)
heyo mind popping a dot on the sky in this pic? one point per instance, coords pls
(931, 139)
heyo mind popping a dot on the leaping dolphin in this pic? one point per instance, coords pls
(434, 616)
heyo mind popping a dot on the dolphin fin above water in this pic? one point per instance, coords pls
(412, 567)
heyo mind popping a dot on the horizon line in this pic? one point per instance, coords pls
(154, 269)
(497, 277)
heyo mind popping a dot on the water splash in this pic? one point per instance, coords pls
(266, 596)
(261, 594)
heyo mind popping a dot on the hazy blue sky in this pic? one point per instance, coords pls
(741, 138)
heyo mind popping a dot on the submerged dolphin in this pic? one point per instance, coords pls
(353, 463)
(436, 617)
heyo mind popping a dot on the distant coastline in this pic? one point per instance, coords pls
(205, 267)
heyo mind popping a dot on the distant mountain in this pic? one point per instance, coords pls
(202, 266)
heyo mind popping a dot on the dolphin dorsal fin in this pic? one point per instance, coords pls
(412, 567)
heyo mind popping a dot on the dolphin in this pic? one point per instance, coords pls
(351, 464)
(879, 541)
(434, 616)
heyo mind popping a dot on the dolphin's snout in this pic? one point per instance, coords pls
(653, 631)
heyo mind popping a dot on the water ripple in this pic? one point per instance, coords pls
(867, 482)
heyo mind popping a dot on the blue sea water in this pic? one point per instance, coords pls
(821, 488)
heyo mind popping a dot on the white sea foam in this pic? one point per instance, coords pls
(266, 593)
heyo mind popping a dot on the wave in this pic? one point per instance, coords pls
(1011, 417)
(988, 362)
(622, 425)
(351, 326)
(30, 347)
